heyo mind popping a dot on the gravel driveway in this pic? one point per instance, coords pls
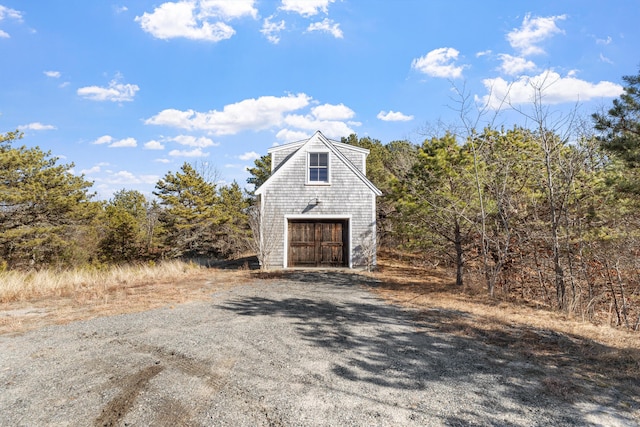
(310, 349)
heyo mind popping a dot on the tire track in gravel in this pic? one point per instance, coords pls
(120, 405)
(216, 377)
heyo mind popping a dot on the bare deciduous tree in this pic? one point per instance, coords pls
(368, 250)
(263, 237)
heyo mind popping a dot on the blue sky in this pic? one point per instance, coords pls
(130, 90)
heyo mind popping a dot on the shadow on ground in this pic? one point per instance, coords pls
(510, 369)
(242, 263)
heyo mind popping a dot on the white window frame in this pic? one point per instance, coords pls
(308, 169)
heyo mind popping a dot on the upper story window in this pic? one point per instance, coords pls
(318, 167)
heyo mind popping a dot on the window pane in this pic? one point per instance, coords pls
(313, 174)
(313, 159)
(322, 159)
(322, 175)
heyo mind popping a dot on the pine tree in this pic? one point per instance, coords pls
(620, 128)
(42, 207)
(232, 227)
(125, 220)
(437, 200)
(190, 212)
(260, 172)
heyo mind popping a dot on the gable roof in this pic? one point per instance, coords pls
(302, 142)
(331, 145)
(297, 144)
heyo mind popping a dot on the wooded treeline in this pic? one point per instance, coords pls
(48, 217)
(544, 213)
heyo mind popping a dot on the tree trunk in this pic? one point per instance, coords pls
(459, 255)
(547, 146)
(489, 277)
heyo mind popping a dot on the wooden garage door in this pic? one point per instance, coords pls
(318, 243)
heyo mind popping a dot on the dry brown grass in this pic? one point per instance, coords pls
(427, 288)
(22, 286)
(32, 300)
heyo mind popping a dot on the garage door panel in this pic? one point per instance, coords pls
(331, 233)
(317, 243)
(331, 255)
(301, 232)
(302, 255)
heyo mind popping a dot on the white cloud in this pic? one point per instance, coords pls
(153, 145)
(250, 155)
(196, 152)
(5, 13)
(271, 30)
(483, 53)
(257, 114)
(605, 59)
(162, 160)
(193, 141)
(126, 177)
(52, 74)
(328, 26)
(174, 118)
(36, 126)
(515, 65)
(605, 42)
(123, 176)
(226, 9)
(331, 128)
(126, 142)
(250, 114)
(115, 92)
(532, 32)
(108, 139)
(439, 63)
(95, 169)
(393, 116)
(287, 135)
(120, 9)
(554, 90)
(148, 179)
(189, 19)
(332, 112)
(104, 139)
(107, 182)
(234, 166)
(306, 8)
